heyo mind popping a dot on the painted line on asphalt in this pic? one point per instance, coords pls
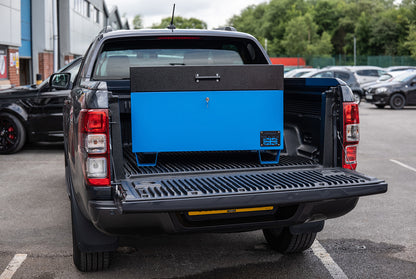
(14, 264)
(334, 269)
(403, 165)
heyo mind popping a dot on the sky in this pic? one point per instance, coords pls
(214, 12)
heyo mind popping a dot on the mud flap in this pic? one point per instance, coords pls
(87, 237)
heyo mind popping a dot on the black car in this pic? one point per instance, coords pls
(397, 93)
(32, 113)
(344, 75)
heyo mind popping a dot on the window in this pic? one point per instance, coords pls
(323, 75)
(117, 57)
(96, 15)
(342, 76)
(87, 8)
(83, 7)
(368, 73)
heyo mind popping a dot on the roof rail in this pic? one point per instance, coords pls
(106, 29)
(226, 28)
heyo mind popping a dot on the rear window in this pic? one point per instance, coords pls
(343, 76)
(327, 74)
(116, 57)
(369, 73)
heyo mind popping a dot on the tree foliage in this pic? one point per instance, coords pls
(181, 23)
(410, 43)
(328, 27)
(137, 22)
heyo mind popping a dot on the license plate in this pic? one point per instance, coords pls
(228, 211)
(369, 97)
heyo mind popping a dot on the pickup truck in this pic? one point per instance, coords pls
(154, 143)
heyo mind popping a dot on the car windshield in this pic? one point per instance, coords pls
(117, 57)
(385, 77)
(404, 77)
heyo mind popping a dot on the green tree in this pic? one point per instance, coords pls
(181, 23)
(410, 42)
(381, 27)
(137, 22)
(301, 38)
(384, 37)
(322, 46)
(249, 20)
(363, 33)
(326, 15)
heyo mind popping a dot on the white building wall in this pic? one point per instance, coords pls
(83, 29)
(48, 28)
(10, 29)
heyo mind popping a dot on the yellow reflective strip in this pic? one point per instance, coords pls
(225, 211)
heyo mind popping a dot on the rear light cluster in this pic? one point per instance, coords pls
(351, 135)
(94, 139)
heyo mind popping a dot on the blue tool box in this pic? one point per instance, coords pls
(198, 116)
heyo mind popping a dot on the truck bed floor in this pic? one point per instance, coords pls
(202, 162)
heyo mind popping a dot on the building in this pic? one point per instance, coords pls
(79, 21)
(10, 41)
(27, 36)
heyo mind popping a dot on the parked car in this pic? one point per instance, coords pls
(32, 113)
(344, 75)
(366, 74)
(397, 93)
(385, 78)
(299, 72)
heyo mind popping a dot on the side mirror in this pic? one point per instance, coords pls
(60, 81)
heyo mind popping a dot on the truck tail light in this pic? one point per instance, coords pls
(94, 139)
(351, 135)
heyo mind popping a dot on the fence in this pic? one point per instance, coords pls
(348, 60)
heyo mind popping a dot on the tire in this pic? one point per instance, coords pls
(87, 261)
(285, 242)
(397, 101)
(380, 106)
(12, 134)
(357, 97)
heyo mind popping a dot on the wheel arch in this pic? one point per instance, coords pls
(20, 113)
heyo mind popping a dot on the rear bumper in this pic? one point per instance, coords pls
(171, 214)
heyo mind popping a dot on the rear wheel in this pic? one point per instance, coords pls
(12, 134)
(397, 101)
(91, 261)
(283, 241)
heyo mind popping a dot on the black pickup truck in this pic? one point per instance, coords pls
(195, 131)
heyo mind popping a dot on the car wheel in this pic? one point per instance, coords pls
(357, 97)
(380, 106)
(283, 241)
(397, 101)
(12, 134)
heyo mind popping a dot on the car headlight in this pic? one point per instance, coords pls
(381, 90)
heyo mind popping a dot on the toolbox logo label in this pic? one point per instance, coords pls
(269, 138)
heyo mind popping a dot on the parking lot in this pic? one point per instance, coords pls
(376, 240)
